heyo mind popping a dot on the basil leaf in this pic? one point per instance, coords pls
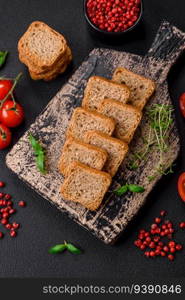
(35, 144)
(122, 190)
(39, 154)
(40, 163)
(3, 55)
(57, 249)
(73, 249)
(135, 188)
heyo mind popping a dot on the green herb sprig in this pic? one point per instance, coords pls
(3, 56)
(39, 153)
(160, 116)
(65, 246)
(129, 187)
(160, 122)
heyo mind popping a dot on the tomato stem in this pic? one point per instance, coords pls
(11, 90)
(2, 134)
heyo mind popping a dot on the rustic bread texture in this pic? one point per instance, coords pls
(127, 118)
(49, 76)
(41, 45)
(39, 71)
(83, 120)
(141, 88)
(75, 150)
(99, 88)
(115, 148)
(85, 185)
(59, 69)
(63, 61)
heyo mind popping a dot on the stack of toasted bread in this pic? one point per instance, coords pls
(99, 133)
(44, 51)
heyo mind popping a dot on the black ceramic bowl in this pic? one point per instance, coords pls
(107, 33)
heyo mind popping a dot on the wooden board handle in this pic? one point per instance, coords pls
(166, 48)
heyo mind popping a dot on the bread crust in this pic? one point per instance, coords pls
(149, 92)
(65, 59)
(25, 54)
(100, 154)
(109, 123)
(86, 102)
(81, 198)
(47, 76)
(113, 162)
(124, 107)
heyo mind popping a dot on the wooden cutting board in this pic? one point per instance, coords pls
(50, 126)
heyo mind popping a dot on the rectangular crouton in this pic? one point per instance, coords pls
(85, 185)
(83, 120)
(127, 118)
(141, 88)
(75, 150)
(115, 148)
(99, 88)
(41, 47)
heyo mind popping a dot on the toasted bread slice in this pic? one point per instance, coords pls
(41, 46)
(99, 88)
(141, 88)
(83, 120)
(60, 68)
(64, 61)
(127, 118)
(115, 148)
(85, 185)
(50, 75)
(75, 150)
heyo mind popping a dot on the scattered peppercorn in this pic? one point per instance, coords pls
(2, 184)
(157, 220)
(171, 257)
(15, 225)
(4, 221)
(163, 213)
(8, 196)
(22, 203)
(6, 211)
(171, 244)
(152, 239)
(12, 211)
(182, 225)
(178, 247)
(8, 226)
(13, 233)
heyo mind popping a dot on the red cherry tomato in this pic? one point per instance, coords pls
(11, 114)
(5, 137)
(181, 186)
(5, 87)
(182, 104)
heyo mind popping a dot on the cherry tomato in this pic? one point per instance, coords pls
(5, 137)
(11, 114)
(181, 186)
(182, 104)
(5, 87)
